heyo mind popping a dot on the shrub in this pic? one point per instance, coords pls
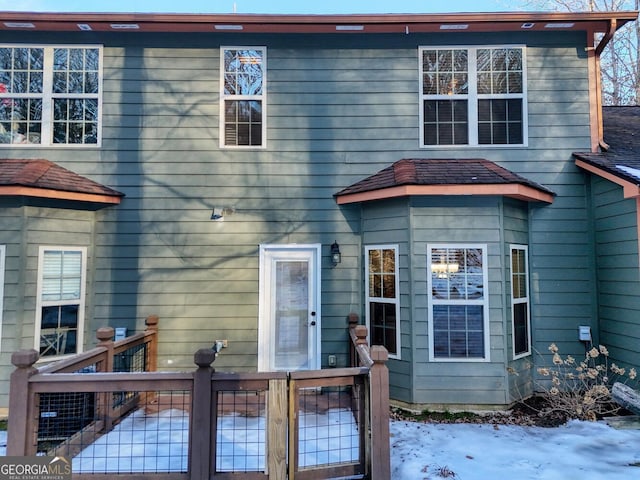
(580, 389)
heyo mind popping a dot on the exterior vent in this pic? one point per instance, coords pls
(19, 25)
(559, 25)
(461, 26)
(349, 28)
(125, 26)
(228, 27)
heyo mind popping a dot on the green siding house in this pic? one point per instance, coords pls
(257, 178)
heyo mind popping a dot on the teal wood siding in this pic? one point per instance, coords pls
(616, 238)
(24, 230)
(387, 223)
(458, 220)
(516, 232)
(339, 108)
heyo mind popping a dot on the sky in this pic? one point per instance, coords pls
(577, 450)
(260, 6)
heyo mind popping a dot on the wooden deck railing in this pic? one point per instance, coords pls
(276, 404)
(375, 358)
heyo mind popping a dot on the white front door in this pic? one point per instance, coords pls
(289, 316)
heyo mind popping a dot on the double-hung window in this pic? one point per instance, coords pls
(473, 96)
(458, 302)
(243, 96)
(50, 95)
(520, 301)
(382, 285)
(60, 300)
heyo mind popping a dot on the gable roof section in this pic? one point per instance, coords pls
(620, 164)
(45, 179)
(421, 176)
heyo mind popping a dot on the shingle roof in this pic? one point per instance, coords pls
(622, 134)
(422, 171)
(43, 174)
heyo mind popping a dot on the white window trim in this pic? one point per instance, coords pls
(484, 302)
(80, 302)
(472, 98)
(262, 98)
(396, 301)
(526, 300)
(47, 95)
(3, 254)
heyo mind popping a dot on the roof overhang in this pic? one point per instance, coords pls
(33, 192)
(512, 190)
(630, 189)
(594, 22)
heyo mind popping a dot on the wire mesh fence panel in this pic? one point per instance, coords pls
(61, 416)
(133, 359)
(153, 438)
(240, 431)
(328, 427)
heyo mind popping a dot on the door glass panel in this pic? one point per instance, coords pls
(291, 349)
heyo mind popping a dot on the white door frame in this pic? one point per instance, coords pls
(265, 327)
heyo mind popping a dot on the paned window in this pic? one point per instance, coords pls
(243, 96)
(472, 96)
(458, 302)
(520, 301)
(50, 95)
(60, 308)
(383, 297)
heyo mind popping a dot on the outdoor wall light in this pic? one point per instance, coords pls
(218, 214)
(336, 257)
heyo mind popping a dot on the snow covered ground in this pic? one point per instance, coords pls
(578, 450)
(575, 451)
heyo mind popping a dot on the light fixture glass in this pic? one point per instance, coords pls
(336, 256)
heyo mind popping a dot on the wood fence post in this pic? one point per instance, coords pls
(200, 444)
(352, 320)
(105, 339)
(379, 392)
(152, 354)
(277, 429)
(23, 423)
(104, 400)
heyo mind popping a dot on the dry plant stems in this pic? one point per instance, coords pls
(580, 389)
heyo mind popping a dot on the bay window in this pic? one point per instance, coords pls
(383, 297)
(458, 302)
(521, 328)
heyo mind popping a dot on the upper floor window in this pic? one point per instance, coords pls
(458, 302)
(383, 297)
(243, 96)
(60, 300)
(50, 95)
(473, 96)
